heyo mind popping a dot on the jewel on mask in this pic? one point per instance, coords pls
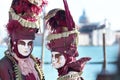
(12, 48)
(14, 43)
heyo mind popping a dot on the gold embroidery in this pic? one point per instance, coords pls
(16, 68)
(36, 2)
(70, 76)
(39, 69)
(24, 22)
(64, 34)
(59, 35)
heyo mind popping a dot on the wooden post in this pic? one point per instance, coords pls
(104, 75)
(104, 53)
(118, 60)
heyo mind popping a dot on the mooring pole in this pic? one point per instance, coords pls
(104, 53)
(43, 39)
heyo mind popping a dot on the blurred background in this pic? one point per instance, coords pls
(93, 17)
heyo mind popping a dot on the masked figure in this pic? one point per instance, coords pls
(63, 42)
(18, 62)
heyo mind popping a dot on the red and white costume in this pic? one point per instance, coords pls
(18, 62)
(63, 43)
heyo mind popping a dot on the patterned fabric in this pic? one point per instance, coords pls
(71, 76)
(27, 67)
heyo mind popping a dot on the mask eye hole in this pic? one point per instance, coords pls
(57, 55)
(21, 43)
(30, 43)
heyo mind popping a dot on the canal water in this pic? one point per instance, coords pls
(91, 69)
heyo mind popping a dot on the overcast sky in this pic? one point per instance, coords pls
(96, 10)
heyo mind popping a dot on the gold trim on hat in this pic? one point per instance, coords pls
(65, 34)
(60, 35)
(24, 22)
(52, 13)
(36, 2)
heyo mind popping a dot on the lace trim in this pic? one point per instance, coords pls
(70, 76)
(24, 22)
(60, 35)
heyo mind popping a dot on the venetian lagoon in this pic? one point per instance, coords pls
(92, 68)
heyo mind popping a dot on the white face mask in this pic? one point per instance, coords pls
(58, 60)
(25, 47)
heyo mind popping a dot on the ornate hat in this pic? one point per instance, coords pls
(17, 31)
(60, 18)
(26, 12)
(24, 20)
(52, 13)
